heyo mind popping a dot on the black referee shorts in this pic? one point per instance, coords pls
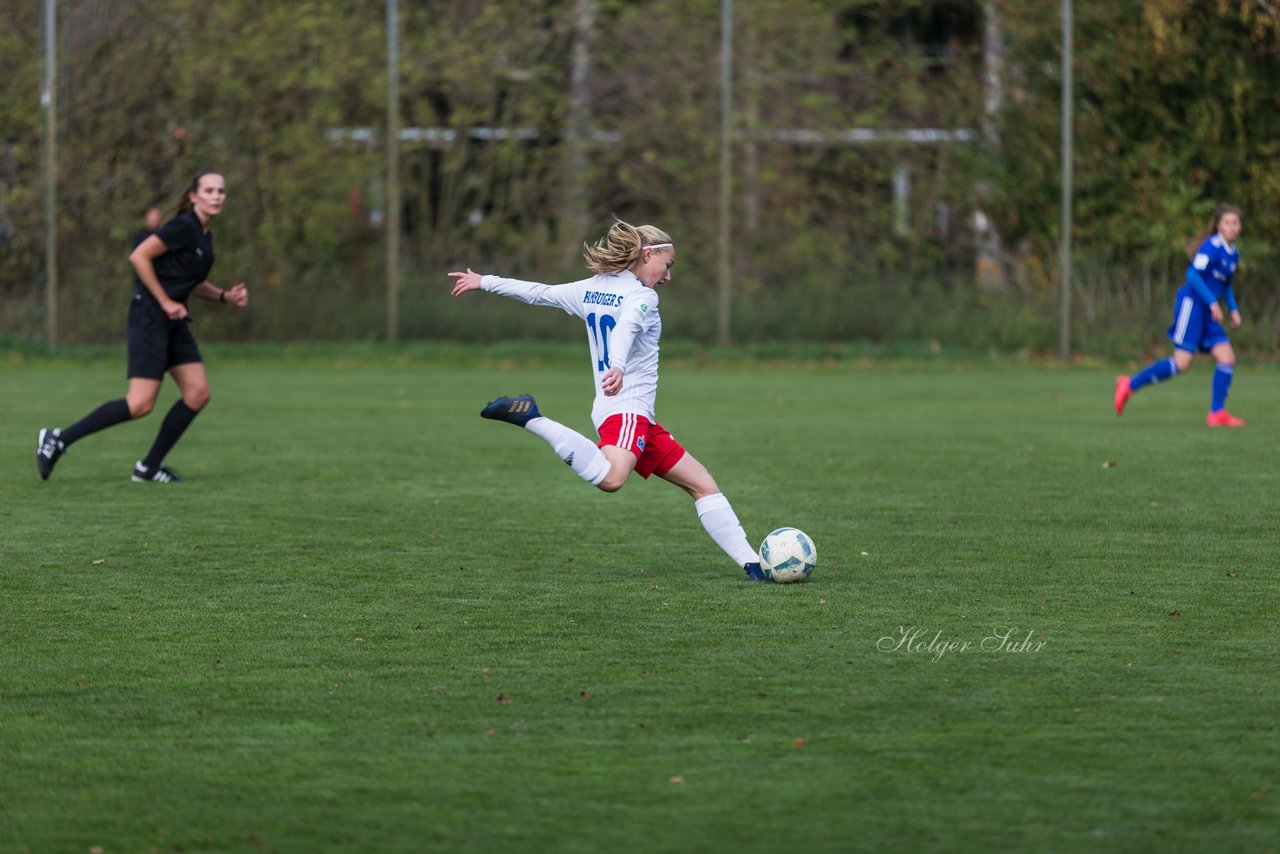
(157, 343)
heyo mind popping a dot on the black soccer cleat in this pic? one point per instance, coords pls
(513, 410)
(49, 446)
(145, 474)
(754, 572)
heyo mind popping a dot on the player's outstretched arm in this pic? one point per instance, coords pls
(468, 281)
(567, 297)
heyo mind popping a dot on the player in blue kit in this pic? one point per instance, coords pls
(1197, 320)
(171, 265)
(620, 308)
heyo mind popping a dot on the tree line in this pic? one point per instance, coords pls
(868, 139)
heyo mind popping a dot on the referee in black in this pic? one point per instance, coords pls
(171, 266)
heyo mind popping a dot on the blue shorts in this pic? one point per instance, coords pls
(1194, 328)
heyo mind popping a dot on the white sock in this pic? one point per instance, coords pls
(579, 452)
(722, 524)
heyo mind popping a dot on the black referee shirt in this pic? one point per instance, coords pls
(190, 255)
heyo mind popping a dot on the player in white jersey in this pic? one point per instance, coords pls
(620, 307)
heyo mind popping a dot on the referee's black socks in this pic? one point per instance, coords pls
(107, 415)
(176, 421)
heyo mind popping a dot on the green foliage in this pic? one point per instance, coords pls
(1175, 112)
(1177, 108)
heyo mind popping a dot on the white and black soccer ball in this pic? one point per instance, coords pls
(788, 555)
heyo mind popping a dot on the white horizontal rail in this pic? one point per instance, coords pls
(438, 136)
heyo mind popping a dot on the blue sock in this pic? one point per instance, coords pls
(1154, 373)
(1222, 386)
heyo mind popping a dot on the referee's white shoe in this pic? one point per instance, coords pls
(49, 446)
(159, 474)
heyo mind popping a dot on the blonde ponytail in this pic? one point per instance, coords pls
(620, 248)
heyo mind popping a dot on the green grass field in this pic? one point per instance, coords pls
(370, 620)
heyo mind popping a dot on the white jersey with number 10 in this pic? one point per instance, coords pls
(623, 328)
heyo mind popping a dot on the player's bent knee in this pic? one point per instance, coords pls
(615, 479)
(198, 399)
(140, 408)
(612, 482)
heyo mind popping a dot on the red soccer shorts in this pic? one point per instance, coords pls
(655, 449)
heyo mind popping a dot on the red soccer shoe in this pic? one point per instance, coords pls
(1223, 418)
(1123, 393)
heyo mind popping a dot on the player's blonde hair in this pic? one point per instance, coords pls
(620, 248)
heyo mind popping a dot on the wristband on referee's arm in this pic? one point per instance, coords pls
(222, 296)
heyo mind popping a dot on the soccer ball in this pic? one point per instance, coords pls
(787, 555)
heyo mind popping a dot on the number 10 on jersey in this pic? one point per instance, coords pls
(600, 334)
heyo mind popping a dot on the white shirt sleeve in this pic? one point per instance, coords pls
(567, 298)
(637, 307)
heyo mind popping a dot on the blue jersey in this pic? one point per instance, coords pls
(1210, 272)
